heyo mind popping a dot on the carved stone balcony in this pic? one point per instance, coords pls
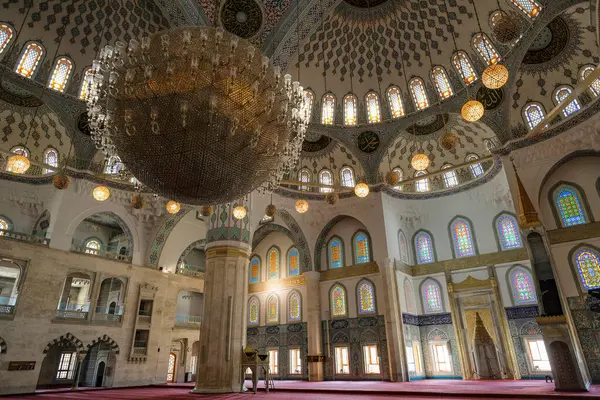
(188, 321)
(111, 255)
(191, 270)
(23, 237)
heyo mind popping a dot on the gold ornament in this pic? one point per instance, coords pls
(420, 162)
(61, 181)
(495, 76)
(240, 212)
(138, 202)
(206, 211)
(18, 164)
(101, 193)
(361, 190)
(472, 111)
(270, 210)
(448, 141)
(173, 207)
(507, 28)
(301, 206)
(332, 198)
(392, 178)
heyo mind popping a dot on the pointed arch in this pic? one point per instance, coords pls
(293, 261)
(486, 50)
(298, 238)
(273, 263)
(507, 231)
(560, 94)
(441, 82)
(255, 269)
(569, 204)
(419, 94)
(450, 178)
(51, 159)
(61, 74)
(594, 88)
(521, 283)
(585, 263)
(464, 67)
(424, 247)
(403, 247)
(431, 296)
(395, 102)
(476, 168)
(373, 109)
(533, 114)
(338, 301)
(65, 340)
(365, 297)
(422, 185)
(409, 296)
(361, 245)
(6, 35)
(304, 176)
(30, 59)
(531, 8)
(273, 309)
(104, 339)
(328, 110)
(462, 237)
(326, 178)
(309, 99)
(350, 110)
(294, 306)
(253, 311)
(347, 177)
(335, 252)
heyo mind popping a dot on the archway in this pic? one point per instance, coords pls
(104, 234)
(98, 366)
(59, 367)
(171, 369)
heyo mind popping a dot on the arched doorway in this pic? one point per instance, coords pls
(171, 368)
(100, 374)
(98, 366)
(58, 370)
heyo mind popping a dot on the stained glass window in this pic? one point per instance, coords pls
(419, 95)
(485, 49)
(113, 165)
(595, 86)
(293, 262)
(533, 114)
(18, 150)
(255, 270)
(253, 311)
(463, 65)
(294, 306)
(61, 74)
(403, 247)
(272, 309)
(450, 179)
(522, 286)
(440, 79)
(496, 15)
(588, 267)
(569, 206)
(85, 84)
(508, 232)
(6, 34)
(476, 168)
(424, 248)
(325, 178)
(273, 263)
(395, 101)
(336, 253)
(50, 158)
(304, 176)
(328, 114)
(361, 248)
(461, 235)
(350, 110)
(409, 296)
(422, 185)
(432, 297)
(561, 94)
(530, 7)
(366, 297)
(30, 60)
(92, 246)
(373, 113)
(338, 301)
(309, 99)
(347, 175)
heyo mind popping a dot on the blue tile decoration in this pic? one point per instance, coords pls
(522, 312)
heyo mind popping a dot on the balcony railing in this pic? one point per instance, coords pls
(188, 321)
(7, 304)
(143, 319)
(108, 314)
(139, 350)
(111, 255)
(23, 237)
(191, 270)
(73, 310)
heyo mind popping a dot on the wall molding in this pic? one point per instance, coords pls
(574, 233)
(283, 283)
(350, 271)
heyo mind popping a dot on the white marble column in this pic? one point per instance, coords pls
(314, 330)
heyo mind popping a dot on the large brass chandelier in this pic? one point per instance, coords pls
(197, 114)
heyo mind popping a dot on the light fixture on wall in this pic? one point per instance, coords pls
(101, 193)
(173, 207)
(301, 206)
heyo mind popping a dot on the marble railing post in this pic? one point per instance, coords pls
(313, 321)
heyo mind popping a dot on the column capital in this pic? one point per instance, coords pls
(224, 226)
(227, 248)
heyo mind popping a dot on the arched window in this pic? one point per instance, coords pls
(294, 306)
(400, 173)
(366, 297)
(422, 185)
(92, 246)
(293, 262)
(360, 243)
(569, 206)
(273, 263)
(337, 301)
(424, 248)
(432, 296)
(462, 238)
(533, 113)
(476, 168)
(462, 63)
(531, 8)
(335, 249)
(508, 232)
(417, 90)
(350, 110)
(272, 309)
(585, 71)
(522, 286)
(50, 158)
(373, 114)
(326, 178)
(60, 76)
(85, 84)
(253, 311)
(450, 179)
(309, 99)
(29, 60)
(395, 102)
(495, 17)
(304, 177)
(409, 296)
(440, 79)
(113, 165)
(18, 150)
(328, 114)
(587, 262)
(560, 94)
(485, 49)
(6, 34)
(403, 245)
(347, 175)
(254, 270)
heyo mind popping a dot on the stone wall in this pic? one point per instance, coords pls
(521, 321)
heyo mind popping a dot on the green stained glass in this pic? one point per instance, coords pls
(588, 266)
